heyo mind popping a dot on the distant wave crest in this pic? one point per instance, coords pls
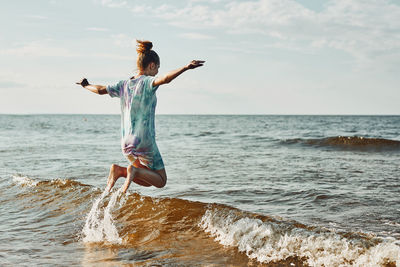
(349, 143)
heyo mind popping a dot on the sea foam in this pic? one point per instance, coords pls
(24, 181)
(271, 241)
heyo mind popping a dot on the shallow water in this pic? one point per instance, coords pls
(242, 190)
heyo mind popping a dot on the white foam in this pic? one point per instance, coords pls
(269, 242)
(25, 181)
(99, 224)
(392, 223)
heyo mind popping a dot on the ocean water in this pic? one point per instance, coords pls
(241, 191)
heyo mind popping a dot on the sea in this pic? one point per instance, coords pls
(242, 190)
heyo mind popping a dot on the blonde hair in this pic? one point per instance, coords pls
(145, 54)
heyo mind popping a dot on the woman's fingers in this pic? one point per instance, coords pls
(196, 63)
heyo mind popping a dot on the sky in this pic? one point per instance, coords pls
(262, 56)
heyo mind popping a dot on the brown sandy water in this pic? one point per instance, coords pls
(51, 217)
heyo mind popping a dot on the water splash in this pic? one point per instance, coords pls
(99, 224)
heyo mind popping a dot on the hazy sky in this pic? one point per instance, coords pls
(262, 56)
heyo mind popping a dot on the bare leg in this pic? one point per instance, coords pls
(116, 172)
(141, 175)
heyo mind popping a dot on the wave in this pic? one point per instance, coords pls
(207, 133)
(349, 143)
(57, 183)
(177, 231)
(269, 241)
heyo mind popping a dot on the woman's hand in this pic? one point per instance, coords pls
(195, 64)
(84, 82)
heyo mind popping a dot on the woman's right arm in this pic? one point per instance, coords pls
(98, 89)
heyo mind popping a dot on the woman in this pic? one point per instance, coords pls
(138, 102)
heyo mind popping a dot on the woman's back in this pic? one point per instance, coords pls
(138, 103)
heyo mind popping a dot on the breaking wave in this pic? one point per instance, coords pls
(273, 241)
(187, 232)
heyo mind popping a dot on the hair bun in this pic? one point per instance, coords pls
(143, 46)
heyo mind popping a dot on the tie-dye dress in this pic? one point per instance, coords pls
(138, 104)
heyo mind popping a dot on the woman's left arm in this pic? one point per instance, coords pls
(98, 89)
(175, 73)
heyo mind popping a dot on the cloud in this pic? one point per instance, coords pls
(37, 49)
(207, 1)
(365, 29)
(97, 29)
(10, 79)
(5, 84)
(196, 36)
(123, 40)
(113, 3)
(46, 48)
(140, 9)
(38, 17)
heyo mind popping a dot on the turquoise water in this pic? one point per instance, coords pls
(333, 173)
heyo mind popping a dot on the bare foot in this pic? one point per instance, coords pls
(131, 171)
(115, 173)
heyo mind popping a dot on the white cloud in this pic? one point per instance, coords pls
(109, 56)
(246, 47)
(10, 79)
(123, 40)
(38, 17)
(97, 29)
(366, 29)
(37, 49)
(139, 9)
(192, 16)
(114, 3)
(207, 1)
(196, 36)
(6, 84)
(46, 48)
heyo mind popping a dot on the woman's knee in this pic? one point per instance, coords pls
(163, 181)
(118, 170)
(115, 167)
(131, 170)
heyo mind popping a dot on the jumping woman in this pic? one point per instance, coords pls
(138, 103)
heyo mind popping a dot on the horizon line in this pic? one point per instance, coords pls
(212, 114)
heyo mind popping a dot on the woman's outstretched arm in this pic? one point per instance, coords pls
(98, 89)
(175, 73)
